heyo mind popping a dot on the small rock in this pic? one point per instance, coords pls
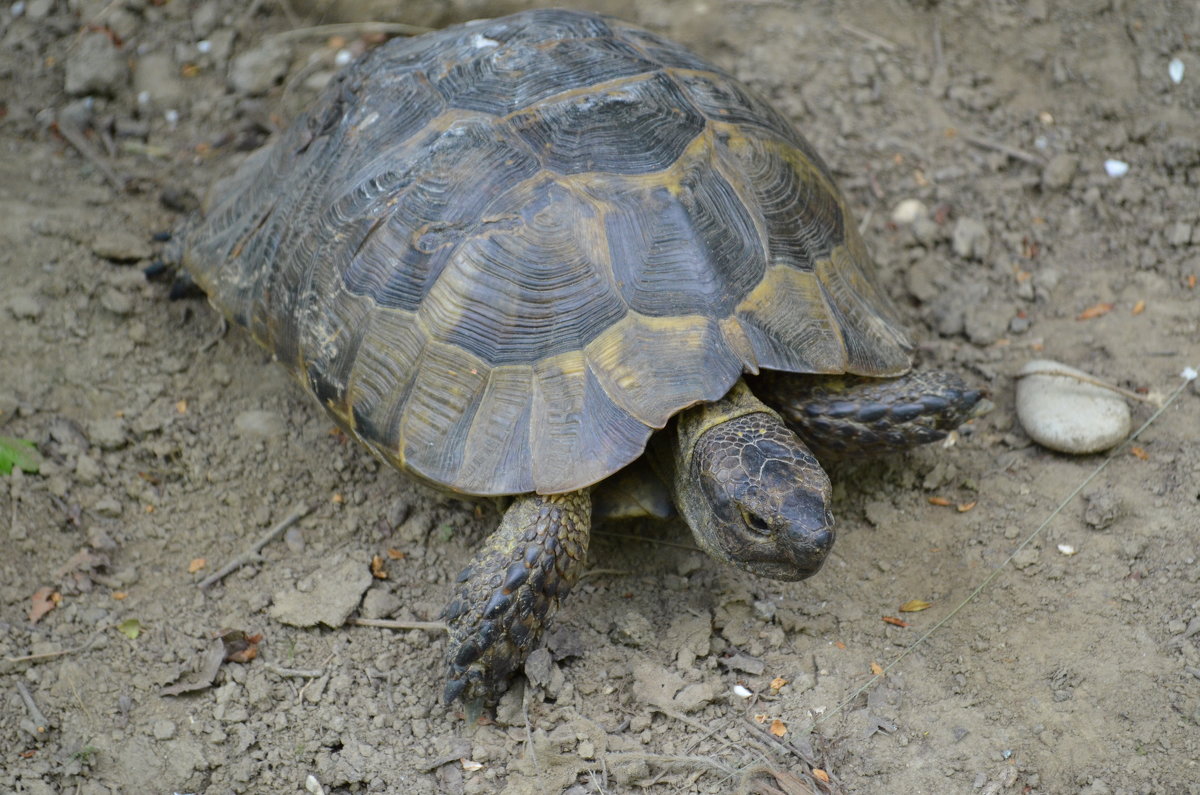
(1059, 172)
(87, 470)
(117, 302)
(379, 603)
(1180, 234)
(24, 307)
(633, 629)
(908, 211)
(96, 66)
(1102, 509)
(156, 77)
(206, 18)
(263, 424)
(971, 239)
(334, 594)
(107, 433)
(1025, 558)
(1068, 415)
(163, 729)
(256, 71)
(108, 507)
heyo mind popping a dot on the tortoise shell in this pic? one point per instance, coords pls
(502, 254)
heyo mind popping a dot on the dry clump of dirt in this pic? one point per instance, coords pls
(973, 140)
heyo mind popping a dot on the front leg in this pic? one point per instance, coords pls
(511, 589)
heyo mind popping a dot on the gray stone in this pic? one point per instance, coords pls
(1064, 413)
(157, 77)
(1102, 508)
(119, 245)
(24, 306)
(96, 66)
(87, 470)
(108, 507)
(261, 424)
(1180, 234)
(256, 71)
(117, 302)
(163, 729)
(328, 596)
(1059, 172)
(379, 603)
(971, 239)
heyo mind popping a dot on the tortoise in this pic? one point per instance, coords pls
(557, 258)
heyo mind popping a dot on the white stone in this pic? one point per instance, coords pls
(1067, 414)
(908, 211)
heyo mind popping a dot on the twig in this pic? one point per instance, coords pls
(387, 623)
(50, 655)
(1087, 379)
(788, 748)
(1011, 151)
(340, 28)
(39, 720)
(74, 136)
(874, 38)
(252, 555)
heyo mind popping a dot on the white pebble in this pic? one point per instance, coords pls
(1189, 374)
(343, 57)
(1175, 70)
(908, 211)
(172, 116)
(741, 692)
(1116, 168)
(1066, 414)
(204, 46)
(1066, 549)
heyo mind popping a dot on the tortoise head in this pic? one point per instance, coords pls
(752, 493)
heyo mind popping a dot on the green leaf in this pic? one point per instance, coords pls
(130, 628)
(20, 453)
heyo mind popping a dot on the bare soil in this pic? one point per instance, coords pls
(169, 447)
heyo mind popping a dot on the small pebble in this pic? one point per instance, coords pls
(257, 70)
(119, 245)
(263, 424)
(117, 302)
(24, 307)
(95, 66)
(1066, 414)
(1116, 168)
(1059, 172)
(163, 729)
(971, 239)
(908, 211)
(1175, 70)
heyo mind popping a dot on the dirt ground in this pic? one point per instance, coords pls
(165, 442)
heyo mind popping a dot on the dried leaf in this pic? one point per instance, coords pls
(1096, 310)
(896, 622)
(45, 599)
(1140, 453)
(915, 606)
(1191, 281)
(239, 647)
(820, 775)
(942, 501)
(207, 666)
(877, 669)
(396, 554)
(181, 407)
(778, 728)
(130, 628)
(778, 682)
(470, 765)
(963, 507)
(378, 567)
(1139, 308)
(337, 498)
(196, 564)
(839, 645)
(120, 595)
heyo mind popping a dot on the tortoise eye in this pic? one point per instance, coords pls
(756, 522)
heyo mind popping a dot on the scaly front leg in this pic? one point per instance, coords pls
(511, 589)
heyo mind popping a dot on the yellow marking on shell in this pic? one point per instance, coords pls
(739, 343)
